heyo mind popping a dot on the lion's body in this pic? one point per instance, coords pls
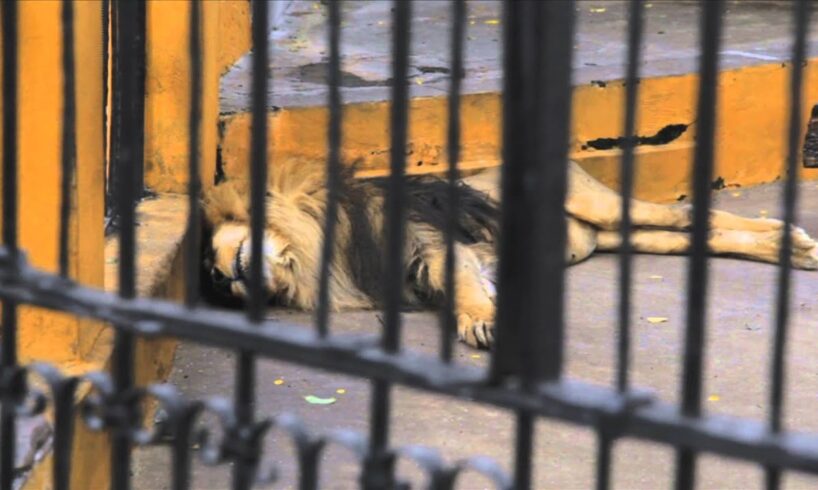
(296, 209)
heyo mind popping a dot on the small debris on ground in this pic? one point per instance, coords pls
(317, 400)
(656, 319)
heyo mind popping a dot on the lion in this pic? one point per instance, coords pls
(295, 215)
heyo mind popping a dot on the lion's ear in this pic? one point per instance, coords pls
(354, 164)
(225, 202)
(278, 251)
(286, 257)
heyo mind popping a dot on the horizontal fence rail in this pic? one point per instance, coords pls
(526, 370)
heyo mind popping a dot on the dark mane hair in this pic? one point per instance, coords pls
(427, 201)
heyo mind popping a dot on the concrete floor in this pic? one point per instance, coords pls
(755, 32)
(741, 294)
(739, 333)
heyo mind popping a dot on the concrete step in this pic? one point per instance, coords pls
(752, 102)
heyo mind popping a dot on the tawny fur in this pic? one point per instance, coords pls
(296, 206)
(295, 219)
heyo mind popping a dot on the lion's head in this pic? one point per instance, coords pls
(228, 246)
(229, 267)
(293, 239)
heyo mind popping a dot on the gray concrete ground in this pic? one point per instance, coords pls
(741, 295)
(756, 32)
(738, 345)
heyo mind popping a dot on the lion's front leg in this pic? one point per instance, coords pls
(474, 289)
(475, 310)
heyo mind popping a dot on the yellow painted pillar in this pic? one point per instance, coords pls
(46, 335)
(168, 94)
(235, 37)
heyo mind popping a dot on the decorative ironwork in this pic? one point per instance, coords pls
(538, 45)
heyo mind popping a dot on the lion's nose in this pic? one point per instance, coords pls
(218, 277)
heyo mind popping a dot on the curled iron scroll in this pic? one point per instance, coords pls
(238, 441)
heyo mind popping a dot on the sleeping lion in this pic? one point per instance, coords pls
(295, 218)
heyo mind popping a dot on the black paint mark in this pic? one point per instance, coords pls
(810, 158)
(433, 69)
(664, 136)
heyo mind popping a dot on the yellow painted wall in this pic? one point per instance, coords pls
(750, 150)
(225, 36)
(47, 335)
(75, 345)
(234, 37)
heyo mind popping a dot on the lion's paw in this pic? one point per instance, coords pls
(477, 330)
(801, 239)
(805, 259)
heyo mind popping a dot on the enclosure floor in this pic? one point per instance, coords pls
(739, 329)
(755, 32)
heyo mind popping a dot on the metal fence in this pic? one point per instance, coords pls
(525, 375)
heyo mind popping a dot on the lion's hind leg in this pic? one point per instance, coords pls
(764, 246)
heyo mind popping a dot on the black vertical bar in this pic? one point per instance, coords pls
(8, 355)
(395, 198)
(106, 11)
(523, 450)
(114, 173)
(244, 468)
(537, 103)
(448, 319)
(258, 169)
(538, 48)
(181, 457)
(515, 121)
(378, 470)
(604, 442)
(181, 422)
(9, 224)
(697, 273)
(626, 190)
(333, 164)
(801, 14)
(63, 393)
(129, 158)
(554, 113)
(516, 94)
(68, 131)
(139, 104)
(309, 459)
(194, 184)
(603, 460)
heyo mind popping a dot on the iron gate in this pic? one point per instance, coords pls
(525, 375)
